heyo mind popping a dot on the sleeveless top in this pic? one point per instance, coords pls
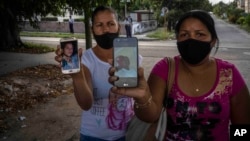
(206, 117)
(110, 113)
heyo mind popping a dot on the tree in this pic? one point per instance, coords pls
(233, 13)
(178, 7)
(14, 12)
(219, 9)
(87, 6)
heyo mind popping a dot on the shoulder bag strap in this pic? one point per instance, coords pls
(170, 80)
(171, 73)
(162, 122)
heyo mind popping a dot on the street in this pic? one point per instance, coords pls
(234, 47)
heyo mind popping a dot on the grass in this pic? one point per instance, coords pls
(52, 34)
(246, 28)
(41, 48)
(162, 34)
(33, 48)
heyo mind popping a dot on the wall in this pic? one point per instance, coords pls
(144, 26)
(54, 26)
(247, 6)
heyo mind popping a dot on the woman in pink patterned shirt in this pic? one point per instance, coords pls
(207, 95)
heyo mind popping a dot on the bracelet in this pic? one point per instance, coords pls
(144, 105)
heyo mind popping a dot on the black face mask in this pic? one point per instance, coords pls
(193, 51)
(105, 40)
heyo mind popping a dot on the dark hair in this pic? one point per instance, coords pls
(204, 17)
(101, 9)
(74, 45)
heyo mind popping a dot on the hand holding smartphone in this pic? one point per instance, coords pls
(126, 61)
(70, 58)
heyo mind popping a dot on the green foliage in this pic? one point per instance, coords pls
(234, 13)
(229, 11)
(246, 28)
(174, 14)
(161, 21)
(178, 7)
(187, 5)
(247, 20)
(219, 9)
(232, 18)
(87, 6)
(13, 12)
(241, 20)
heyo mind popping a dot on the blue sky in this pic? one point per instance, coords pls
(216, 1)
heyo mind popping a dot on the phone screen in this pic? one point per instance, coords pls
(126, 61)
(70, 59)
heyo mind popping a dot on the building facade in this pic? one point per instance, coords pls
(244, 4)
(247, 6)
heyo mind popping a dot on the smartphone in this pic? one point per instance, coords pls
(70, 58)
(126, 61)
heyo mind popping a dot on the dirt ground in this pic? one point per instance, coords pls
(38, 104)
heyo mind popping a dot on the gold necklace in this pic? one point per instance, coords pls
(196, 87)
(191, 78)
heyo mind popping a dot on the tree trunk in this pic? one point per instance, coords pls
(169, 26)
(88, 36)
(9, 31)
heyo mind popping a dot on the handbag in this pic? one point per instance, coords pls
(139, 130)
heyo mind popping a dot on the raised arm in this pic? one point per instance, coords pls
(82, 83)
(152, 112)
(83, 91)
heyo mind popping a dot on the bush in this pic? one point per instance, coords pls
(234, 15)
(232, 18)
(247, 20)
(241, 21)
(161, 21)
